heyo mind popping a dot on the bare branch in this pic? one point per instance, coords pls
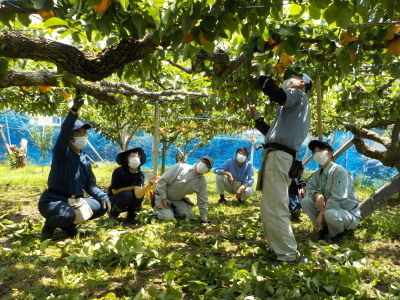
(186, 70)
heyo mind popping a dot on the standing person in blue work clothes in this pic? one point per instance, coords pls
(283, 140)
(127, 187)
(179, 181)
(62, 204)
(236, 177)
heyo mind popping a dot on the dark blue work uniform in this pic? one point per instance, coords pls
(70, 175)
(126, 200)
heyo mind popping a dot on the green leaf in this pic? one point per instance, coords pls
(196, 286)
(154, 14)
(330, 13)
(55, 22)
(291, 45)
(176, 38)
(139, 23)
(395, 71)
(3, 64)
(314, 11)
(341, 15)
(124, 4)
(43, 246)
(24, 19)
(152, 290)
(295, 9)
(174, 294)
(208, 23)
(139, 295)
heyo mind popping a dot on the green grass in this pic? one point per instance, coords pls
(183, 259)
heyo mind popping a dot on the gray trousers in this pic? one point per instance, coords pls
(223, 185)
(337, 219)
(275, 215)
(182, 210)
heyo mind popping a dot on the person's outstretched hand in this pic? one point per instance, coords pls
(78, 101)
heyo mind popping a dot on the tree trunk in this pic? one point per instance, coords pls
(380, 197)
(3, 137)
(163, 156)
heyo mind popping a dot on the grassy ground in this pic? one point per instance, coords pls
(183, 259)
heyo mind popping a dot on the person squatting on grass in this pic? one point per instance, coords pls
(283, 140)
(239, 177)
(330, 202)
(127, 187)
(179, 181)
(62, 204)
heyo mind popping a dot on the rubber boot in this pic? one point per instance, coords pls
(47, 233)
(71, 230)
(114, 213)
(131, 218)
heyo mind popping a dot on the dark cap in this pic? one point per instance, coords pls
(319, 144)
(120, 157)
(289, 73)
(209, 159)
(78, 125)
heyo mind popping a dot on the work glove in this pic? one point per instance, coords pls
(256, 68)
(106, 204)
(78, 101)
(252, 112)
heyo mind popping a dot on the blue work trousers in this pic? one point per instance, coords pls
(58, 213)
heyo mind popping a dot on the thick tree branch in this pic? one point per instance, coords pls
(390, 157)
(72, 60)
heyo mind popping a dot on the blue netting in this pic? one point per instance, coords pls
(220, 148)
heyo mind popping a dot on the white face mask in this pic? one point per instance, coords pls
(241, 158)
(201, 168)
(80, 142)
(134, 162)
(321, 157)
(287, 84)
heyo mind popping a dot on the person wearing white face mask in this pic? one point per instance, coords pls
(127, 187)
(330, 202)
(177, 182)
(62, 204)
(236, 177)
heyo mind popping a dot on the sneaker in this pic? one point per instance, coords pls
(240, 201)
(339, 237)
(47, 233)
(322, 234)
(70, 230)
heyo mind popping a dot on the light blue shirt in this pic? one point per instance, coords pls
(292, 121)
(243, 174)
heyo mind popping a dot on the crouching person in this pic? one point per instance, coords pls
(62, 204)
(127, 187)
(179, 181)
(330, 202)
(236, 177)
